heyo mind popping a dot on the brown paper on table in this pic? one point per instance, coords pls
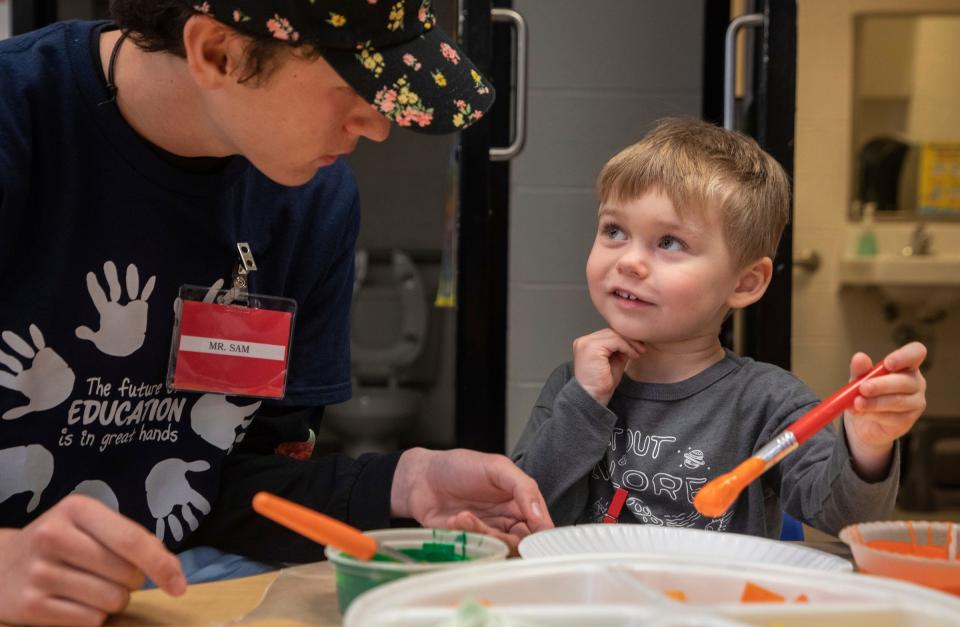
(305, 594)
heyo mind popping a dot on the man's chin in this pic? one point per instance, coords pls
(291, 179)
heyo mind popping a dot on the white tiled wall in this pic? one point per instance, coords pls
(601, 73)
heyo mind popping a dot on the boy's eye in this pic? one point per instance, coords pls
(613, 231)
(669, 242)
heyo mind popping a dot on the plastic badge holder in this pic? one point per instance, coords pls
(228, 345)
(634, 590)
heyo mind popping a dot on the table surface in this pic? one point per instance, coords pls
(226, 602)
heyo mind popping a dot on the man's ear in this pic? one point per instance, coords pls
(751, 284)
(214, 51)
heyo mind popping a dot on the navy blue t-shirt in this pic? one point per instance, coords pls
(97, 234)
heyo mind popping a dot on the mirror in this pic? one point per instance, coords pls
(906, 117)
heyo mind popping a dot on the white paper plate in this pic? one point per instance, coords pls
(630, 590)
(600, 538)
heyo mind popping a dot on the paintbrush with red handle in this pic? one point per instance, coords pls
(718, 495)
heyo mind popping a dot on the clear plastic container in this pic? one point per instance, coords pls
(354, 577)
(919, 551)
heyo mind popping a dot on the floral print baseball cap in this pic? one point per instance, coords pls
(390, 51)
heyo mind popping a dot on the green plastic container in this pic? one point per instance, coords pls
(354, 577)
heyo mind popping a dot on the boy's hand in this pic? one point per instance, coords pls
(599, 360)
(885, 409)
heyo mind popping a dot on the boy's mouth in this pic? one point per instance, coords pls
(630, 297)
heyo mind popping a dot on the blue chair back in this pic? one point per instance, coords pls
(792, 528)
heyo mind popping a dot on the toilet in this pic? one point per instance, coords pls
(388, 332)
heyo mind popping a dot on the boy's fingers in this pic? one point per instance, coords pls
(896, 383)
(908, 356)
(133, 543)
(907, 404)
(860, 364)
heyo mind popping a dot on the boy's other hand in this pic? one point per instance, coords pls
(886, 408)
(599, 360)
(77, 563)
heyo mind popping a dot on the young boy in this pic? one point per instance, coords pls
(689, 220)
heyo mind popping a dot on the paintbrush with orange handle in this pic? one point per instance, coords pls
(718, 495)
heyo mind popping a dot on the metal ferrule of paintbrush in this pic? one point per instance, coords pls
(777, 448)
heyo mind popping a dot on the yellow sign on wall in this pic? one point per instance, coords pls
(939, 189)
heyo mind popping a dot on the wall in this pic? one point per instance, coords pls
(830, 324)
(600, 74)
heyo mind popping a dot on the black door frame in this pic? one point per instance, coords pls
(768, 323)
(481, 371)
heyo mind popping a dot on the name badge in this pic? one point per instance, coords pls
(231, 349)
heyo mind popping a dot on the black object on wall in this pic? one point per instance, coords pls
(28, 15)
(716, 17)
(767, 324)
(481, 375)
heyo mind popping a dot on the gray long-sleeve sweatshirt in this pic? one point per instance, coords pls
(663, 442)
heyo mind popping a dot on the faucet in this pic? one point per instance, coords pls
(919, 241)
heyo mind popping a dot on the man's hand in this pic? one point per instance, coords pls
(77, 563)
(886, 408)
(599, 360)
(462, 489)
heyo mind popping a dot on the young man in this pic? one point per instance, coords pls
(689, 221)
(133, 161)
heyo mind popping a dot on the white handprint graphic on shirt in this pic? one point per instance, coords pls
(122, 327)
(99, 490)
(25, 469)
(215, 420)
(167, 488)
(46, 383)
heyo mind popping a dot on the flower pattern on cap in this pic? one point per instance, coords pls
(411, 61)
(465, 113)
(370, 58)
(280, 28)
(402, 105)
(449, 53)
(396, 17)
(478, 83)
(391, 52)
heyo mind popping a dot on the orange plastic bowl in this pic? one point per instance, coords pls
(919, 551)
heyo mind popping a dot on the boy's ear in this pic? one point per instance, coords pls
(213, 50)
(751, 284)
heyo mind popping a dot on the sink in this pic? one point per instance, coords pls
(920, 270)
(922, 282)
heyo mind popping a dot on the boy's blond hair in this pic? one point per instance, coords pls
(701, 167)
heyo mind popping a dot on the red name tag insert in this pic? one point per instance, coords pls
(232, 350)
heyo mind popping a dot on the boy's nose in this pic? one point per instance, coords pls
(365, 121)
(633, 263)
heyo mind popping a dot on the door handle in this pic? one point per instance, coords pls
(520, 114)
(750, 20)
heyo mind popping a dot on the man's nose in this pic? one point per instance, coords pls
(365, 121)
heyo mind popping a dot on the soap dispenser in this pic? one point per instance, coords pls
(867, 240)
